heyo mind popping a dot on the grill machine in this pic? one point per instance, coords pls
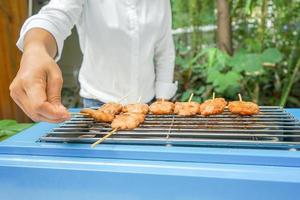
(167, 157)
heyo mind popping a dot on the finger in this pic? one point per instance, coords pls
(53, 111)
(37, 102)
(35, 116)
(44, 119)
(22, 101)
(53, 88)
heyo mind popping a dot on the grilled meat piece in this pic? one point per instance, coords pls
(127, 121)
(243, 108)
(106, 113)
(136, 108)
(139, 116)
(162, 108)
(186, 108)
(102, 116)
(113, 108)
(213, 106)
(88, 111)
(99, 115)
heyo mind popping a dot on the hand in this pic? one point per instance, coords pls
(37, 87)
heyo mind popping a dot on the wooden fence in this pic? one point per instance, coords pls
(12, 15)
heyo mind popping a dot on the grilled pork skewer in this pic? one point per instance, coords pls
(123, 121)
(161, 107)
(213, 106)
(186, 108)
(111, 107)
(243, 107)
(127, 121)
(136, 108)
(88, 111)
(189, 108)
(133, 115)
(106, 113)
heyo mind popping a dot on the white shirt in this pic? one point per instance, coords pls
(127, 45)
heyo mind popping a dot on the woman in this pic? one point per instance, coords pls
(127, 49)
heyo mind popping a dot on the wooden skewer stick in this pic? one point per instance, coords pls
(124, 97)
(76, 113)
(104, 138)
(240, 97)
(139, 100)
(190, 99)
(213, 95)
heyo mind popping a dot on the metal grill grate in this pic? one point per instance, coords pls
(271, 128)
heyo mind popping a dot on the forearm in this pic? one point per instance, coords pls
(38, 39)
(165, 69)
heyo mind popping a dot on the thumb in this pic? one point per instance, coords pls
(54, 87)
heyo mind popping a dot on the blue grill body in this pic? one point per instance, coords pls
(30, 169)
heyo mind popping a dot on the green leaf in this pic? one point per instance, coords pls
(222, 57)
(248, 62)
(197, 99)
(11, 127)
(252, 63)
(233, 77)
(182, 49)
(211, 56)
(253, 45)
(212, 75)
(198, 68)
(248, 7)
(198, 55)
(236, 61)
(271, 55)
(185, 96)
(18, 127)
(200, 90)
(181, 62)
(227, 80)
(6, 123)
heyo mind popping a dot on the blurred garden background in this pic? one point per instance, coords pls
(250, 47)
(259, 56)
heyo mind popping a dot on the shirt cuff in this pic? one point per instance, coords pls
(44, 24)
(165, 90)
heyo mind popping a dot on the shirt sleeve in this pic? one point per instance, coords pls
(164, 59)
(57, 17)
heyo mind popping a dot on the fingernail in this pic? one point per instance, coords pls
(63, 112)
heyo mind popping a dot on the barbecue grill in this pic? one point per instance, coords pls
(168, 157)
(272, 128)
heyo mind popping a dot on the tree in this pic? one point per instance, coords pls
(224, 39)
